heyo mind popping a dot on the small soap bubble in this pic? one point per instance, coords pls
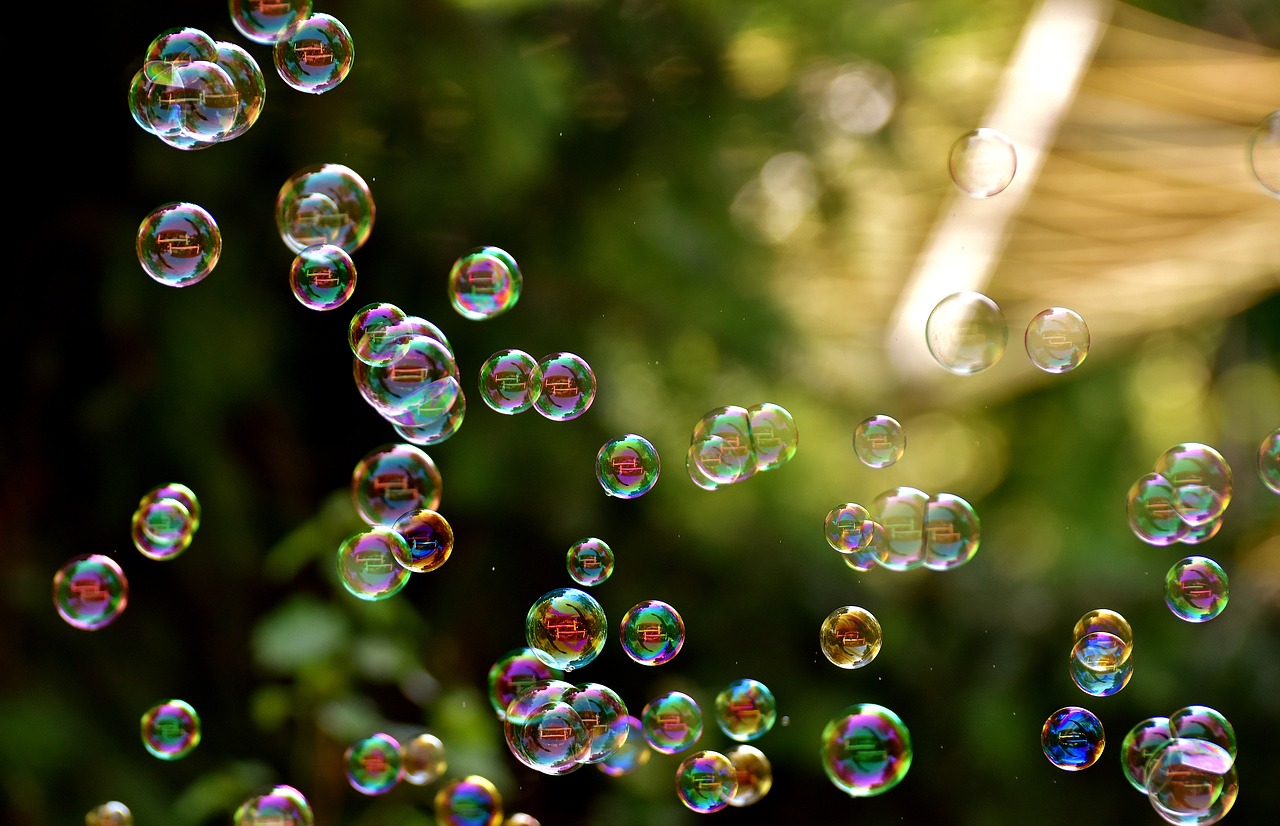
(1100, 664)
(369, 566)
(264, 22)
(1105, 620)
(706, 781)
(484, 283)
(428, 540)
(604, 716)
(753, 772)
(627, 467)
(866, 751)
(589, 561)
(722, 446)
(652, 632)
(672, 722)
(468, 801)
(774, 436)
(113, 813)
(1143, 740)
(1201, 481)
(1196, 589)
(850, 637)
(966, 333)
(566, 628)
(512, 674)
(746, 710)
(90, 591)
(850, 531)
(901, 512)
(322, 277)
(568, 387)
(392, 480)
(1152, 516)
(367, 334)
(170, 730)
(162, 529)
(633, 753)
(372, 764)
(1072, 738)
(278, 806)
(510, 381)
(314, 54)
(1269, 461)
(1057, 340)
(179, 244)
(952, 532)
(879, 441)
(325, 204)
(982, 162)
(1264, 153)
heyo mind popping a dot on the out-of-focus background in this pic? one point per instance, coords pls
(713, 203)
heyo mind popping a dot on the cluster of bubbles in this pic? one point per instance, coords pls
(589, 561)
(866, 750)
(170, 729)
(165, 521)
(879, 441)
(1072, 738)
(850, 637)
(560, 386)
(982, 162)
(1183, 498)
(1185, 764)
(903, 529)
(966, 333)
(178, 244)
(278, 805)
(112, 813)
(627, 466)
(730, 444)
(1101, 661)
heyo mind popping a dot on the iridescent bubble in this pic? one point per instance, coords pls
(173, 490)
(604, 716)
(1151, 513)
(1143, 740)
(952, 532)
(367, 336)
(442, 427)
(652, 632)
(1222, 803)
(753, 772)
(510, 381)
(706, 781)
(631, 755)
(314, 54)
(543, 731)
(1100, 664)
(850, 531)
(866, 750)
(368, 564)
(512, 674)
(1196, 589)
(392, 480)
(428, 540)
(627, 467)
(590, 561)
(325, 204)
(188, 104)
(176, 47)
(263, 21)
(982, 162)
(672, 722)
(1186, 777)
(1057, 340)
(746, 710)
(1269, 461)
(322, 277)
(774, 436)
(1205, 723)
(113, 813)
(1264, 153)
(879, 441)
(90, 591)
(1197, 534)
(568, 387)
(440, 401)
(178, 244)
(1105, 620)
(484, 283)
(162, 529)
(901, 512)
(966, 333)
(710, 447)
(1072, 738)
(170, 730)
(566, 628)
(278, 806)
(410, 381)
(723, 447)
(869, 557)
(468, 801)
(1201, 481)
(850, 637)
(250, 87)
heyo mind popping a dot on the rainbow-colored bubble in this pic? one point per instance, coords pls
(372, 764)
(179, 244)
(1196, 589)
(706, 781)
(652, 632)
(170, 729)
(314, 53)
(866, 750)
(672, 722)
(627, 467)
(1072, 738)
(566, 628)
(746, 710)
(484, 283)
(90, 591)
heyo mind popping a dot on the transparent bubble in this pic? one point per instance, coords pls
(1100, 664)
(368, 564)
(510, 381)
(1269, 461)
(1105, 620)
(173, 48)
(1205, 723)
(706, 781)
(250, 87)
(1196, 534)
(604, 716)
(484, 283)
(1264, 153)
(1186, 776)
(1072, 738)
(1201, 481)
(314, 54)
(113, 813)
(566, 628)
(866, 750)
(322, 277)
(952, 532)
(1196, 589)
(512, 674)
(366, 334)
(170, 730)
(438, 428)
(549, 737)
(392, 480)
(633, 753)
(869, 556)
(746, 710)
(1151, 513)
(850, 637)
(162, 529)
(263, 21)
(1057, 340)
(568, 387)
(966, 333)
(278, 806)
(723, 446)
(325, 204)
(774, 436)
(710, 447)
(178, 244)
(1222, 804)
(372, 764)
(90, 591)
(428, 540)
(192, 102)
(753, 772)
(982, 162)
(422, 760)
(590, 561)
(1143, 740)
(652, 632)
(409, 383)
(468, 801)
(901, 512)
(879, 441)
(627, 467)
(672, 722)
(850, 530)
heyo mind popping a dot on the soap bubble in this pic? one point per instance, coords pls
(413, 385)
(314, 54)
(367, 334)
(428, 540)
(589, 561)
(1152, 516)
(901, 512)
(774, 436)
(1104, 620)
(1072, 738)
(1186, 777)
(1205, 723)
(627, 467)
(866, 751)
(879, 441)
(278, 806)
(566, 628)
(170, 729)
(468, 801)
(753, 772)
(162, 529)
(1100, 664)
(510, 381)
(966, 333)
(722, 446)
(850, 531)
(1196, 589)
(433, 429)
(264, 22)
(178, 244)
(652, 632)
(1143, 740)
(672, 722)
(325, 204)
(746, 710)
(1264, 153)
(368, 564)
(90, 591)
(513, 673)
(392, 480)
(544, 732)
(322, 276)
(952, 532)
(706, 781)
(568, 387)
(250, 87)
(633, 753)
(422, 760)
(982, 162)
(1269, 461)
(850, 637)
(113, 813)
(484, 283)
(1057, 340)
(372, 764)
(1201, 481)
(604, 716)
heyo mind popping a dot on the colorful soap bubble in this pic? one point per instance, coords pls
(1264, 153)
(314, 54)
(178, 244)
(982, 162)
(369, 564)
(1196, 589)
(113, 813)
(174, 490)
(543, 731)
(1269, 461)
(510, 381)
(189, 104)
(1205, 723)
(1201, 481)
(879, 441)
(428, 540)
(723, 447)
(566, 628)
(162, 529)
(754, 773)
(604, 716)
(1152, 516)
(1072, 738)
(173, 48)
(952, 532)
(484, 283)
(264, 22)
(1197, 534)
(372, 764)
(633, 753)
(746, 710)
(90, 591)
(589, 561)
(709, 446)
(706, 781)
(568, 387)
(468, 801)
(1057, 340)
(513, 673)
(413, 384)
(1143, 740)
(901, 512)
(627, 467)
(850, 637)
(652, 632)
(1100, 664)
(170, 730)
(366, 333)
(966, 333)
(672, 722)
(250, 87)
(850, 530)
(1104, 620)
(1191, 781)
(866, 751)
(774, 436)
(325, 204)
(392, 480)
(436, 429)
(322, 276)
(279, 805)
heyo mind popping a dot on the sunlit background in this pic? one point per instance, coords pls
(714, 203)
